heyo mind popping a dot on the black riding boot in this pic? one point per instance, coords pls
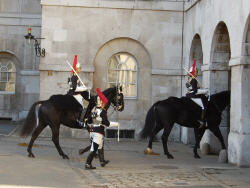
(88, 164)
(103, 162)
(203, 117)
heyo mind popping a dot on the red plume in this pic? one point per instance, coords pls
(193, 67)
(74, 64)
(102, 96)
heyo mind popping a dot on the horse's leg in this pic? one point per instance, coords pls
(197, 142)
(217, 133)
(150, 142)
(35, 134)
(55, 139)
(154, 132)
(164, 139)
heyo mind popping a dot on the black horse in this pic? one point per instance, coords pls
(64, 109)
(163, 115)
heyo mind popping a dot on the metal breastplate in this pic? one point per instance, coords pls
(96, 116)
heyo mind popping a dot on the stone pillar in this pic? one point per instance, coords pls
(239, 136)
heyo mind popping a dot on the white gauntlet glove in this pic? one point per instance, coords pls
(114, 124)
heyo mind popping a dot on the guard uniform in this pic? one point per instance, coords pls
(76, 87)
(195, 93)
(97, 123)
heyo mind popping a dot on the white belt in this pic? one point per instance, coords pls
(94, 125)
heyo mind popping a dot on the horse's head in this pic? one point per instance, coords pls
(115, 97)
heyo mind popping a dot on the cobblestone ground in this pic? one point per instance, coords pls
(129, 167)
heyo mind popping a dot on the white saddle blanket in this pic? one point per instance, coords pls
(199, 102)
(203, 91)
(79, 99)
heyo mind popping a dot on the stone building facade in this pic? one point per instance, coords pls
(160, 37)
(163, 37)
(19, 66)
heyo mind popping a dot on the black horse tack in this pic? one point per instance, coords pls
(63, 109)
(163, 115)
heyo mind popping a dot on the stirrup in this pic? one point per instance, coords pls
(89, 167)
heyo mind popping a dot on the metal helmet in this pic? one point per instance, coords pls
(194, 72)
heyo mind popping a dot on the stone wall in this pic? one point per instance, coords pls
(15, 17)
(95, 30)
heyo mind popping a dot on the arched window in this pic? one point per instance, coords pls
(7, 76)
(122, 69)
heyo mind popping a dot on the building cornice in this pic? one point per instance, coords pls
(33, 20)
(169, 72)
(119, 4)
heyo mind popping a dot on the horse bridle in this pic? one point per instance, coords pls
(118, 92)
(116, 100)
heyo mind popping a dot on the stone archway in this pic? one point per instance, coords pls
(239, 137)
(219, 72)
(135, 110)
(220, 56)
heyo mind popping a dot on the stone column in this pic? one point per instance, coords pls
(239, 136)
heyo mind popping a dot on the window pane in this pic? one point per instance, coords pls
(131, 64)
(122, 77)
(7, 75)
(11, 67)
(112, 63)
(2, 86)
(10, 86)
(132, 77)
(122, 69)
(131, 90)
(11, 77)
(4, 76)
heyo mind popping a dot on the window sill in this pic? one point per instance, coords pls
(7, 92)
(130, 98)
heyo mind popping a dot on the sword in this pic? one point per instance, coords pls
(78, 76)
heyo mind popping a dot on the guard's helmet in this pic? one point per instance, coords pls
(78, 65)
(194, 72)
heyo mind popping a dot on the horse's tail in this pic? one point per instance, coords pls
(149, 122)
(30, 121)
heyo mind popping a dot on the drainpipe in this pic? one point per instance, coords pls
(182, 36)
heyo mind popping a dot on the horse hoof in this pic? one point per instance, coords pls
(170, 156)
(197, 156)
(65, 157)
(31, 155)
(149, 151)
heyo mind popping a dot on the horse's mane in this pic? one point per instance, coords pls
(109, 90)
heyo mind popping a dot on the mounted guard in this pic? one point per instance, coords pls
(76, 89)
(198, 95)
